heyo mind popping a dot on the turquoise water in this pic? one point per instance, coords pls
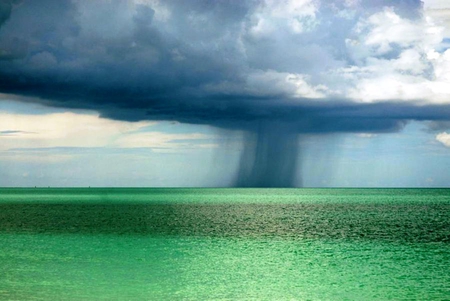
(224, 244)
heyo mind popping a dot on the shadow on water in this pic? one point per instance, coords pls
(392, 222)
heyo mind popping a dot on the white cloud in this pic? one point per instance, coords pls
(271, 82)
(62, 130)
(435, 4)
(158, 140)
(295, 16)
(410, 61)
(85, 131)
(394, 58)
(389, 87)
(402, 78)
(366, 135)
(380, 33)
(162, 13)
(418, 73)
(386, 28)
(443, 138)
(439, 10)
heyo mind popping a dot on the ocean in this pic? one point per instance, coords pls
(224, 244)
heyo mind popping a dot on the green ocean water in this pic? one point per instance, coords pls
(224, 244)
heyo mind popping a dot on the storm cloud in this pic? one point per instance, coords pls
(275, 69)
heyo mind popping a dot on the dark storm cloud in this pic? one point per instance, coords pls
(116, 58)
(5, 11)
(49, 52)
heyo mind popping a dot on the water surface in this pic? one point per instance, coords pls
(216, 244)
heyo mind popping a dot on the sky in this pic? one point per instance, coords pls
(213, 93)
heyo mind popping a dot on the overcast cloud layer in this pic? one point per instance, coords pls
(320, 66)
